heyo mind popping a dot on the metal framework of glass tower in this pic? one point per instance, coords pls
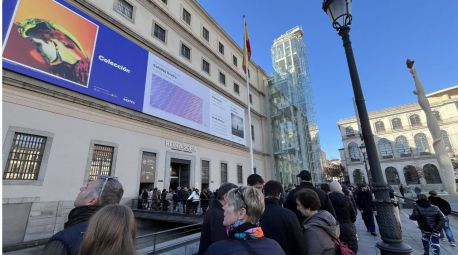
(296, 143)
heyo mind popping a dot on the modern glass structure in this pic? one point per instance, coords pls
(296, 144)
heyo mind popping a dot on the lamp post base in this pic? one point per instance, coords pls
(394, 248)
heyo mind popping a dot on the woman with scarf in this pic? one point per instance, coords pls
(242, 211)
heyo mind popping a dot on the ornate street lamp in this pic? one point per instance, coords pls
(339, 11)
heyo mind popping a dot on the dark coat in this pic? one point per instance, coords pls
(282, 225)
(324, 199)
(317, 231)
(68, 241)
(443, 205)
(364, 201)
(346, 216)
(428, 216)
(212, 228)
(263, 246)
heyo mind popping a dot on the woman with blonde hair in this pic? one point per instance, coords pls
(243, 208)
(111, 231)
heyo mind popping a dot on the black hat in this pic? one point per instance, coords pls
(305, 175)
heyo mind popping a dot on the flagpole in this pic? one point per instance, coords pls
(250, 138)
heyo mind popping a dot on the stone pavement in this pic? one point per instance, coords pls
(410, 233)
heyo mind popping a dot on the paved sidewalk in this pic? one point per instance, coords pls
(410, 234)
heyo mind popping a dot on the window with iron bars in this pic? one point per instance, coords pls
(124, 8)
(25, 157)
(239, 174)
(102, 160)
(223, 173)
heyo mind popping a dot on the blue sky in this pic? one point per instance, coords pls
(383, 34)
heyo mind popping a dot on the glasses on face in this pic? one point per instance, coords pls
(240, 193)
(105, 180)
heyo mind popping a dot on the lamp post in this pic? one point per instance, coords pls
(339, 11)
(363, 151)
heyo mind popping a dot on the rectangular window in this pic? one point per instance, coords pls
(221, 48)
(251, 99)
(205, 34)
(25, 157)
(125, 9)
(223, 173)
(186, 16)
(236, 88)
(205, 66)
(148, 167)
(234, 60)
(102, 160)
(222, 78)
(159, 32)
(185, 51)
(239, 174)
(249, 74)
(254, 169)
(205, 172)
(252, 132)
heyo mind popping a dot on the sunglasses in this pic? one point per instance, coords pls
(240, 193)
(105, 180)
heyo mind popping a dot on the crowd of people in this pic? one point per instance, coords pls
(261, 218)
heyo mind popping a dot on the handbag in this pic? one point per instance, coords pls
(342, 247)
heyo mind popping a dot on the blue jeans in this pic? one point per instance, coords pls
(448, 230)
(431, 239)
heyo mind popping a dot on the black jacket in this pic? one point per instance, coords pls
(364, 201)
(68, 241)
(324, 199)
(263, 246)
(428, 216)
(212, 228)
(282, 225)
(443, 205)
(345, 215)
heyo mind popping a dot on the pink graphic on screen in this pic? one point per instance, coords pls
(168, 97)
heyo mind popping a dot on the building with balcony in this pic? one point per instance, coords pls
(295, 134)
(404, 143)
(152, 92)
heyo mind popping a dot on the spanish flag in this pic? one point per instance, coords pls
(246, 47)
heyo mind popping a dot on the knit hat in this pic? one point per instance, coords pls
(335, 186)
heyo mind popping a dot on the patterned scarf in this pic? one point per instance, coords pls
(244, 230)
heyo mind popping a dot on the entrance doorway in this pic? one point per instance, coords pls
(180, 173)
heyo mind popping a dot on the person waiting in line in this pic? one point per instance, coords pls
(325, 187)
(445, 208)
(242, 211)
(345, 215)
(279, 223)
(319, 226)
(169, 200)
(145, 199)
(204, 200)
(194, 199)
(212, 227)
(111, 231)
(255, 180)
(306, 183)
(164, 202)
(367, 208)
(96, 194)
(430, 220)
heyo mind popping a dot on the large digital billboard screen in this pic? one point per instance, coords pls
(53, 41)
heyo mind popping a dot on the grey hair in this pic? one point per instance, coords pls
(252, 201)
(112, 192)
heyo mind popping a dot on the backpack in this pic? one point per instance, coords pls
(342, 247)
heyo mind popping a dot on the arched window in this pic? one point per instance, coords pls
(431, 174)
(353, 151)
(437, 115)
(402, 146)
(358, 177)
(421, 143)
(411, 175)
(379, 127)
(385, 149)
(396, 123)
(446, 139)
(415, 120)
(349, 131)
(392, 177)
